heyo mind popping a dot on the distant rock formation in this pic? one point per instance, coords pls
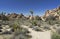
(15, 16)
(55, 12)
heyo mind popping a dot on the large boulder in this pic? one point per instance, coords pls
(55, 13)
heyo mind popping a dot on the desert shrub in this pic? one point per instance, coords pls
(58, 25)
(23, 34)
(55, 36)
(57, 21)
(50, 17)
(3, 17)
(37, 18)
(50, 20)
(38, 24)
(47, 27)
(27, 23)
(58, 30)
(16, 26)
(34, 22)
(20, 32)
(38, 29)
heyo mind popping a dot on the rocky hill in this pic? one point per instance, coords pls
(55, 13)
(18, 26)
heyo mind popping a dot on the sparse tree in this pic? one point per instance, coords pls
(31, 12)
(31, 15)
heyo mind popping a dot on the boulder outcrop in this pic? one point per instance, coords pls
(55, 13)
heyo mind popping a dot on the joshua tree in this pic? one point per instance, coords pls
(31, 15)
(31, 12)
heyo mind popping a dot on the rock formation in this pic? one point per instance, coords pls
(55, 12)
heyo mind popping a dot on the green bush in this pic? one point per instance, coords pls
(55, 36)
(52, 22)
(34, 23)
(37, 18)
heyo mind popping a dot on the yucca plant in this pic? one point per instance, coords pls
(16, 26)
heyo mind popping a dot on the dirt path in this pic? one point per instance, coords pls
(38, 35)
(35, 34)
(1, 37)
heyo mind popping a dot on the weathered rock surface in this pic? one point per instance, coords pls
(55, 12)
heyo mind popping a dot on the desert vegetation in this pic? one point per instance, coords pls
(11, 25)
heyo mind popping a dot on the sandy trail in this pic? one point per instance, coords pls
(35, 34)
(38, 35)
